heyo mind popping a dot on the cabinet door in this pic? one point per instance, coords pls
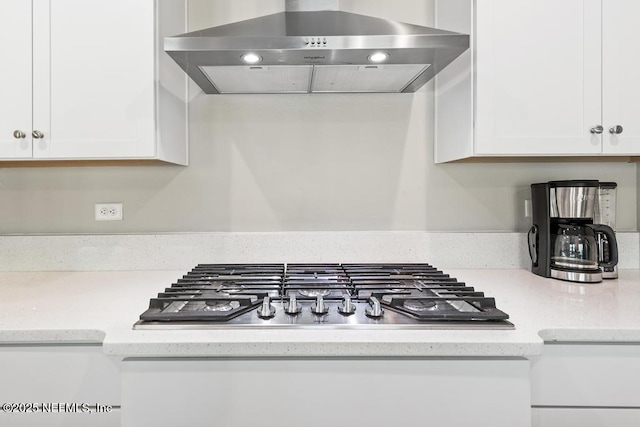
(15, 78)
(359, 392)
(59, 385)
(621, 86)
(585, 417)
(94, 78)
(538, 77)
(586, 375)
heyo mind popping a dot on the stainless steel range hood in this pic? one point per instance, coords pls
(326, 51)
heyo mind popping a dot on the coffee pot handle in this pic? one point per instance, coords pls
(613, 243)
(532, 240)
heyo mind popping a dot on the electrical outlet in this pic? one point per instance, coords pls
(108, 211)
(527, 208)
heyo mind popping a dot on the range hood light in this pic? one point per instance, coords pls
(378, 57)
(251, 58)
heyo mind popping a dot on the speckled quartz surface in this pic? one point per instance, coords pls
(45, 307)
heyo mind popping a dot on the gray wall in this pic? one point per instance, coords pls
(299, 162)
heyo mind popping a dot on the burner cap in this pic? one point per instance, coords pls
(314, 292)
(420, 305)
(220, 305)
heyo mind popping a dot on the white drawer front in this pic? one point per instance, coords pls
(585, 417)
(605, 375)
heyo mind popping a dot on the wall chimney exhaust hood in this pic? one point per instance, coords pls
(314, 51)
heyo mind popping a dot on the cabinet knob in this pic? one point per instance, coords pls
(18, 134)
(37, 134)
(597, 130)
(616, 130)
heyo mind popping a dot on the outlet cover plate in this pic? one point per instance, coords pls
(108, 211)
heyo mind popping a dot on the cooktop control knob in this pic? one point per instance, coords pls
(319, 307)
(374, 309)
(266, 310)
(293, 307)
(347, 306)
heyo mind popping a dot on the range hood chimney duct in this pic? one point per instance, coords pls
(313, 47)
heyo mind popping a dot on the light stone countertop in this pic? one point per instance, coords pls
(101, 307)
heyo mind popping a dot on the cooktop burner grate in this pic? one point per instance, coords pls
(334, 295)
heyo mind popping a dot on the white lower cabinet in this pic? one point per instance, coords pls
(585, 417)
(568, 384)
(314, 392)
(58, 386)
(61, 419)
(587, 385)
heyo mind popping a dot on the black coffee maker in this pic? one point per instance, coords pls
(563, 240)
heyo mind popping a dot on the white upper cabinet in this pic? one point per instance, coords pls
(98, 88)
(543, 78)
(538, 76)
(621, 84)
(15, 79)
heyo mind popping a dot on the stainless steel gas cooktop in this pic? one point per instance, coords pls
(321, 295)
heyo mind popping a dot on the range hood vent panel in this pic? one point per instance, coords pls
(260, 79)
(326, 40)
(362, 78)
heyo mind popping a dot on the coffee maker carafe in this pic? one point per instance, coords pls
(563, 240)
